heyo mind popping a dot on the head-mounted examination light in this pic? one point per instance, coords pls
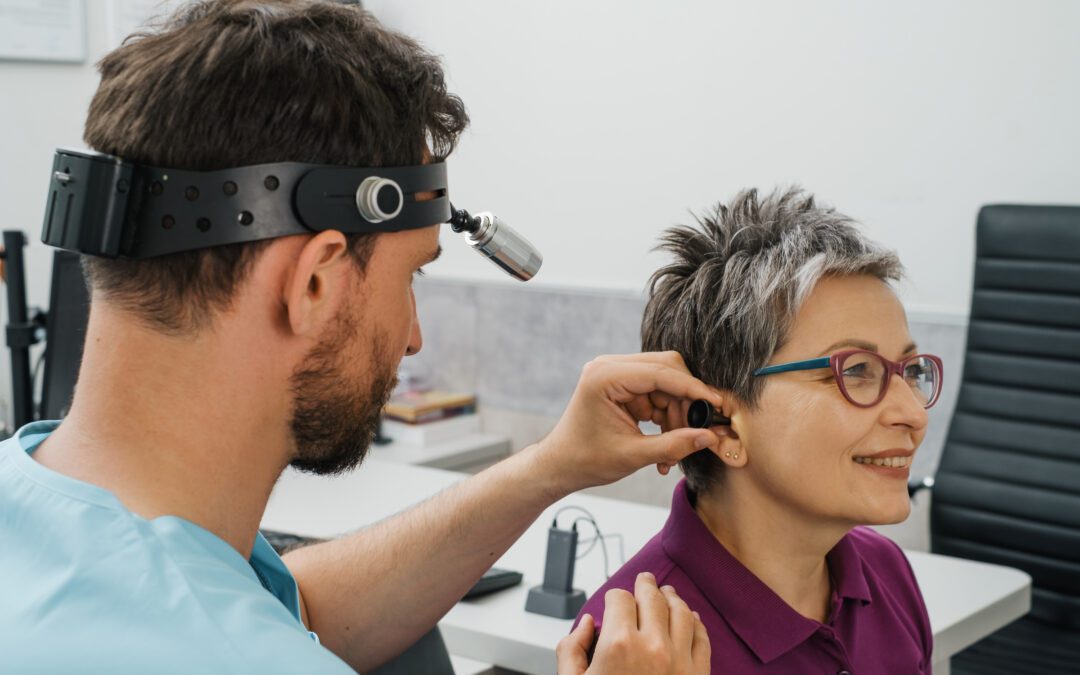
(105, 206)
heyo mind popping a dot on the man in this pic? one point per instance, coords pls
(128, 534)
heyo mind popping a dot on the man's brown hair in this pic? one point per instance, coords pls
(230, 83)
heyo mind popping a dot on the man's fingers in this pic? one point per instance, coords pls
(671, 418)
(701, 651)
(627, 380)
(676, 415)
(669, 414)
(669, 358)
(652, 607)
(572, 653)
(671, 446)
(660, 400)
(680, 619)
(641, 408)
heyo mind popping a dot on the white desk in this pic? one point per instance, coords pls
(966, 600)
(456, 454)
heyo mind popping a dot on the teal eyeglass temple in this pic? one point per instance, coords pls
(702, 415)
(809, 364)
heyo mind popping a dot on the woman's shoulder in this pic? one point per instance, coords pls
(651, 558)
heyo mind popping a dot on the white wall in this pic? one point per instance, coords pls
(597, 123)
(42, 106)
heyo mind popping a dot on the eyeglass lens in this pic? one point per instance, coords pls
(866, 378)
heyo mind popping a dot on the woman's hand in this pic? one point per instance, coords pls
(652, 632)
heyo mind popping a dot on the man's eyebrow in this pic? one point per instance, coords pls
(862, 344)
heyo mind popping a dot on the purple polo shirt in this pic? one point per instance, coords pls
(878, 623)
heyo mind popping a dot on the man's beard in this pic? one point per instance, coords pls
(334, 418)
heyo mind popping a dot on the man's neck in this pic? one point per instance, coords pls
(186, 427)
(782, 547)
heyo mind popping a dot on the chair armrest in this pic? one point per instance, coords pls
(917, 483)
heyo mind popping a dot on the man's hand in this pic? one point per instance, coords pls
(598, 441)
(652, 632)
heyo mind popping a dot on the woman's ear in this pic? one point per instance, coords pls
(731, 450)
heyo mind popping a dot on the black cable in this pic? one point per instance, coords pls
(555, 518)
(592, 544)
(600, 536)
(604, 538)
(603, 546)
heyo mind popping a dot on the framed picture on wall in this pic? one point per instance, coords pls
(43, 30)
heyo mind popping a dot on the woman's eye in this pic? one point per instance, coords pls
(914, 372)
(420, 272)
(857, 371)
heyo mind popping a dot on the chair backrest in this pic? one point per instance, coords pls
(1008, 487)
(427, 656)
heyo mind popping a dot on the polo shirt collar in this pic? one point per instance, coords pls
(761, 619)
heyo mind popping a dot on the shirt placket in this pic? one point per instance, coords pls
(833, 647)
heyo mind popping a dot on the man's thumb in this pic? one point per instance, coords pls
(674, 445)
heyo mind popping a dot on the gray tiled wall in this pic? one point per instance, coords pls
(521, 350)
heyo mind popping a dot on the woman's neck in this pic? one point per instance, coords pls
(782, 547)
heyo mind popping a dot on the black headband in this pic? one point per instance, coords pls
(102, 205)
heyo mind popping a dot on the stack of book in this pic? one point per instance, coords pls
(424, 418)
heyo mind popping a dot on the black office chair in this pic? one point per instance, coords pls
(1008, 487)
(428, 655)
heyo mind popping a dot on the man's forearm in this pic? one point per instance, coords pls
(373, 593)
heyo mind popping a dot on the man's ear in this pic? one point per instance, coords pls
(731, 450)
(313, 285)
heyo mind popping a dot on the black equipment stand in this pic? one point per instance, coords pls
(23, 330)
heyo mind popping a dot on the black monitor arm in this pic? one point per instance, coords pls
(24, 328)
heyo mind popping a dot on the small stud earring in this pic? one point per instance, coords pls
(727, 454)
(736, 456)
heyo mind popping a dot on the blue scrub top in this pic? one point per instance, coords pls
(88, 586)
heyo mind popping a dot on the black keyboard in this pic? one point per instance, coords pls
(494, 579)
(286, 541)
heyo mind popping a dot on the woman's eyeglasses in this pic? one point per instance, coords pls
(863, 377)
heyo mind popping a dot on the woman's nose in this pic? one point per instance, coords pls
(903, 406)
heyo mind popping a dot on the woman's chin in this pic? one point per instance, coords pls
(887, 513)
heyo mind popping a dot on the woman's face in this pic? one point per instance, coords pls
(803, 440)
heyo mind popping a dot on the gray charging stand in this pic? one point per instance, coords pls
(556, 603)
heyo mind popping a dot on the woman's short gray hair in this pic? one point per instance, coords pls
(728, 299)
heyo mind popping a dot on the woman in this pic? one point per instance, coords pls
(787, 308)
